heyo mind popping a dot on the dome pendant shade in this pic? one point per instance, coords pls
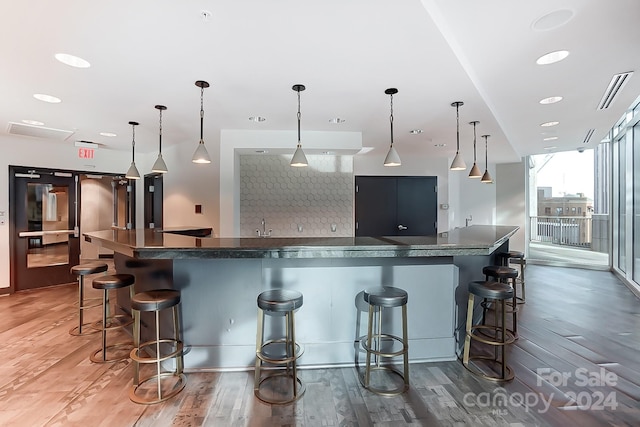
(132, 172)
(159, 166)
(299, 159)
(392, 158)
(458, 163)
(201, 154)
(475, 172)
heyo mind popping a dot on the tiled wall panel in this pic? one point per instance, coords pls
(296, 202)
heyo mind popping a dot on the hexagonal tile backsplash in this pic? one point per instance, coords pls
(316, 200)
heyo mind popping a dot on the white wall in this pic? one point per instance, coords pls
(477, 200)
(511, 201)
(188, 184)
(27, 151)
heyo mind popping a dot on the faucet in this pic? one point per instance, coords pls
(263, 232)
(468, 221)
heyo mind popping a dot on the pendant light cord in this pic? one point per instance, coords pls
(201, 113)
(474, 143)
(133, 143)
(391, 119)
(160, 141)
(299, 115)
(457, 130)
(486, 162)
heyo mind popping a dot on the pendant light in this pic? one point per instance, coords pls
(133, 173)
(475, 170)
(486, 178)
(299, 159)
(201, 155)
(392, 158)
(160, 166)
(458, 163)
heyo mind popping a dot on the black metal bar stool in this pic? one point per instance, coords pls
(501, 336)
(381, 344)
(506, 275)
(155, 301)
(111, 322)
(517, 258)
(283, 352)
(82, 270)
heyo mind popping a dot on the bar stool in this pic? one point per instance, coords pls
(506, 275)
(155, 301)
(283, 303)
(498, 292)
(378, 299)
(517, 258)
(111, 322)
(82, 270)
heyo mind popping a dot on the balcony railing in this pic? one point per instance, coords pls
(562, 230)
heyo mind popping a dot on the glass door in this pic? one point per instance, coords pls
(45, 238)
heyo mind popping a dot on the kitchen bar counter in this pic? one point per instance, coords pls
(220, 278)
(149, 244)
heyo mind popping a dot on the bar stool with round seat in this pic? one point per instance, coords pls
(82, 270)
(278, 352)
(515, 257)
(506, 275)
(168, 383)
(498, 337)
(381, 344)
(111, 322)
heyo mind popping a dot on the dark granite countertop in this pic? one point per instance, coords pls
(145, 243)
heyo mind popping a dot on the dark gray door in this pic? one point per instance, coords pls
(44, 237)
(396, 206)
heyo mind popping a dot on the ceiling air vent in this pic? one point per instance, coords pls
(615, 86)
(38, 131)
(588, 136)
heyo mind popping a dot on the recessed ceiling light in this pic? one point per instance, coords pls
(415, 131)
(72, 61)
(337, 120)
(550, 138)
(551, 147)
(549, 124)
(552, 20)
(257, 119)
(439, 145)
(550, 100)
(47, 98)
(552, 57)
(33, 122)
(109, 134)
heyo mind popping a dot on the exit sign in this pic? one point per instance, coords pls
(85, 153)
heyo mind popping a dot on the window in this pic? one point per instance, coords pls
(558, 211)
(573, 210)
(579, 210)
(547, 211)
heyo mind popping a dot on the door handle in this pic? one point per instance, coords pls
(43, 233)
(401, 227)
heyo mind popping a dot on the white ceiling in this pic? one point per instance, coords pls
(346, 52)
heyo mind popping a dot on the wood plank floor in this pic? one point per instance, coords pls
(583, 324)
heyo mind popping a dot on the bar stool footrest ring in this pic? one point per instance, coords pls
(141, 359)
(177, 388)
(269, 376)
(386, 392)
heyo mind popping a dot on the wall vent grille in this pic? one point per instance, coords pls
(38, 131)
(613, 89)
